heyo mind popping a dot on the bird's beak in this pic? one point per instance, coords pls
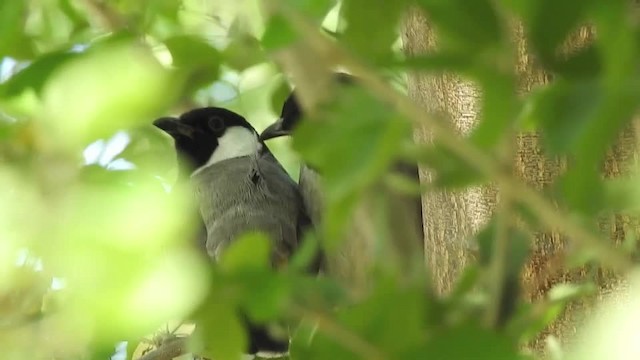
(173, 127)
(273, 131)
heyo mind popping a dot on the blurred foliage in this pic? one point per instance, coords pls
(96, 250)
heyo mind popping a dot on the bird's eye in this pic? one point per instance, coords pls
(216, 124)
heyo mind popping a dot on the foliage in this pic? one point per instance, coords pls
(95, 250)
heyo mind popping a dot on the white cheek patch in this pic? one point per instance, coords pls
(237, 141)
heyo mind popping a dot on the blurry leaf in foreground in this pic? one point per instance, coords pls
(612, 332)
(196, 58)
(124, 251)
(353, 121)
(221, 330)
(109, 88)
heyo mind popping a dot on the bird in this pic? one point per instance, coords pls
(352, 263)
(240, 187)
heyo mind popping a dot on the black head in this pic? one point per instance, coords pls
(203, 132)
(286, 123)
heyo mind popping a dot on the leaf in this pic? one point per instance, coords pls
(15, 42)
(548, 22)
(279, 95)
(581, 64)
(316, 9)
(196, 58)
(389, 322)
(250, 251)
(464, 24)
(352, 121)
(564, 109)
(267, 295)
(469, 341)
(498, 109)
(243, 52)
(451, 171)
(278, 33)
(222, 331)
(114, 86)
(36, 75)
(384, 14)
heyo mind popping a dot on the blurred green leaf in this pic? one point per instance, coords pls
(360, 15)
(478, 344)
(279, 95)
(223, 332)
(317, 9)
(15, 42)
(198, 60)
(564, 110)
(250, 251)
(278, 33)
(468, 24)
(549, 22)
(243, 52)
(82, 103)
(450, 170)
(498, 109)
(583, 63)
(36, 75)
(353, 121)
(390, 322)
(265, 294)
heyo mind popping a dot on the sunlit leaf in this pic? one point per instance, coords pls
(82, 103)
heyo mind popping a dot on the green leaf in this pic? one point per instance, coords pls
(451, 171)
(316, 9)
(36, 75)
(564, 110)
(266, 295)
(360, 32)
(470, 342)
(584, 63)
(548, 22)
(389, 323)
(278, 33)
(15, 42)
(498, 109)
(81, 103)
(467, 24)
(581, 187)
(279, 95)
(243, 52)
(353, 121)
(222, 331)
(250, 251)
(199, 61)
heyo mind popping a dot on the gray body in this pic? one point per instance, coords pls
(246, 193)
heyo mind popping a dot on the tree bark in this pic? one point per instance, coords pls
(451, 218)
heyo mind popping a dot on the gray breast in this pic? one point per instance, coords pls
(235, 198)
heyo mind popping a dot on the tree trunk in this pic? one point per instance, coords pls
(451, 218)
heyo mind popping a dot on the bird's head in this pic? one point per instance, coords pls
(288, 120)
(209, 135)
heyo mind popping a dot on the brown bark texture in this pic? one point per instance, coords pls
(452, 217)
